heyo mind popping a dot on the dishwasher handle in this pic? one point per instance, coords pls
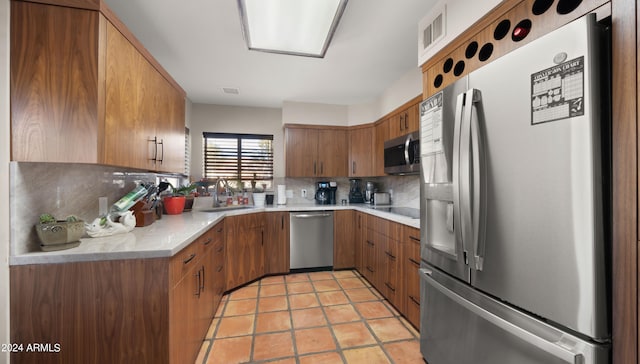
(310, 216)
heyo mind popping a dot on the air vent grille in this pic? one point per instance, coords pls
(433, 27)
(230, 90)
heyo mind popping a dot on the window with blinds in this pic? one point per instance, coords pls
(239, 157)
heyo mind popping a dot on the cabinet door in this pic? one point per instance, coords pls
(54, 83)
(411, 245)
(333, 150)
(382, 134)
(361, 152)
(185, 339)
(170, 126)
(412, 118)
(129, 107)
(396, 125)
(244, 248)
(301, 151)
(343, 239)
(276, 242)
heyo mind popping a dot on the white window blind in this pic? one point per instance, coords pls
(234, 157)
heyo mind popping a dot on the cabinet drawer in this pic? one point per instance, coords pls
(182, 262)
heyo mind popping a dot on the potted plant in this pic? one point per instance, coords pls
(187, 192)
(55, 232)
(173, 203)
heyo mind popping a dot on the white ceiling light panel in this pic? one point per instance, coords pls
(297, 27)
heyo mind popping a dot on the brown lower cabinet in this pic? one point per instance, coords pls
(344, 245)
(244, 249)
(118, 311)
(276, 249)
(158, 310)
(411, 246)
(388, 256)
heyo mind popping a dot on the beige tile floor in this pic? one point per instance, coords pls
(319, 317)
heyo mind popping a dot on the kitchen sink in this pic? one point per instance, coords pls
(225, 208)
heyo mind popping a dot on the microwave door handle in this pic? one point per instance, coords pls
(407, 144)
(457, 223)
(479, 178)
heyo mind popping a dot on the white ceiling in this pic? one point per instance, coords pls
(200, 44)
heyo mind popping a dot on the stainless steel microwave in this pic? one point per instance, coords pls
(402, 154)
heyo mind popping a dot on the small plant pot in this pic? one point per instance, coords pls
(60, 232)
(173, 205)
(188, 203)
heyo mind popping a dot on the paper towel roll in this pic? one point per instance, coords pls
(282, 195)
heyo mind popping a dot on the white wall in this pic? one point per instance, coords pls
(235, 119)
(314, 113)
(4, 176)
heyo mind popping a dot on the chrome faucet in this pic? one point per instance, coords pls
(226, 189)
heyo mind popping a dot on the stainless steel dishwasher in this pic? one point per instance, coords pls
(311, 239)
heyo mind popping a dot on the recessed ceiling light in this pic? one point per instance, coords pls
(296, 27)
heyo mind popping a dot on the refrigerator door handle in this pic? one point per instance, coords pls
(464, 176)
(479, 184)
(557, 349)
(457, 222)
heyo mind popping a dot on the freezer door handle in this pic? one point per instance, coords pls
(557, 349)
(478, 178)
(457, 223)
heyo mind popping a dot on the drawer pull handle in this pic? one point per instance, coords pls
(208, 241)
(414, 238)
(415, 262)
(370, 270)
(390, 255)
(390, 287)
(220, 269)
(190, 258)
(370, 243)
(417, 302)
(220, 249)
(197, 275)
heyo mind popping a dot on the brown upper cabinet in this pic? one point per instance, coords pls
(315, 152)
(404, 122)
(361, 151)
(94, 95)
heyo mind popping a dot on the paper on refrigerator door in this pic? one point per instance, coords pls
(431, 115)
(431, 125)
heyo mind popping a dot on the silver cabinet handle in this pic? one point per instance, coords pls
(552, 348)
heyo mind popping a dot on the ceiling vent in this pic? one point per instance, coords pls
(432, 27)
(230, 90)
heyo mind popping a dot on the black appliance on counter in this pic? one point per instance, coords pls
(355, 193)
(323, 193)
(333, 191)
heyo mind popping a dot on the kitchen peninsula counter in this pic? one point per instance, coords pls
(172, 233)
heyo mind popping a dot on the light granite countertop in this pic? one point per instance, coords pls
(172, 233)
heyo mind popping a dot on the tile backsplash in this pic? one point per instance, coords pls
(405, 190)
(73, 189)
(62, 190)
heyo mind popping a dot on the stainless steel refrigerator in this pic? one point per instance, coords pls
(514, 196)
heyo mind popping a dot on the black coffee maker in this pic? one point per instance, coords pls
(355, 193)
(323, 193)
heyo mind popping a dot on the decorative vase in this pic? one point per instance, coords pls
(173, 205)
(258, 199)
